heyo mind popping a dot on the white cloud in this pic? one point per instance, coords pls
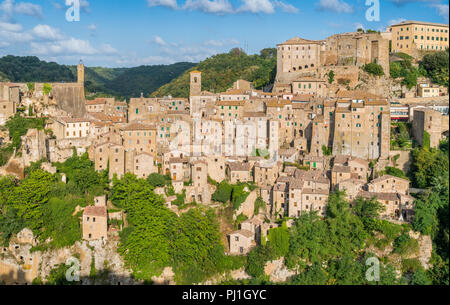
(92, 27)
(108, 49)
(85, 7)
(10, 27)
(442, 10)
(221, 43)
(47, 32)
(68, 46)
(286, 7)
(257, 6)
(29, 9)
(158, 40)
(221, 7)
(9, 8)
(335, 6)
(209, 6)
(167, 3)
(395, 21)
(11, 33)
(402, 2)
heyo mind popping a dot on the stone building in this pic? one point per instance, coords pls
(70, 128)
(110, 154)
(430, 121)
(351, 187)
(266, 173)
(309, 85)
(95, 223)
(389, 184)
(144, 165)
(361, 126)
(9, 99)
(33, 146)
(229, 110)
(241, 242)
(300, 57)
(390, 201)
(308, 191)
(140, 137)
(238, 172)
(412, 36)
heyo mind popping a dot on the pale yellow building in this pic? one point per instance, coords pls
(409, 36)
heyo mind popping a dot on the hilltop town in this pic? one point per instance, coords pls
(336, 127)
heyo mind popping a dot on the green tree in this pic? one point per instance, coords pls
(374, 69)
(29, 197)
(279, 240)
(223, 192)
(157, 180)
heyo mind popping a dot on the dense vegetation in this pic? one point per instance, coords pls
(433, 65)
(430, 170)
(234, 194)
(405, 70)
(220, 71)
(17, 127)
(400, 136)
(374, 69)
(31, 69)
(436, 67)
(157, 238)
(46, 205)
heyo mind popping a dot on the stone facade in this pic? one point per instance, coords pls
(95, 223)
(428, 120)
(412, 36)
(299, 57)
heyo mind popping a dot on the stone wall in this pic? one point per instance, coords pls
(70, 98)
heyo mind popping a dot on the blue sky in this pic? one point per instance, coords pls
(119, 33)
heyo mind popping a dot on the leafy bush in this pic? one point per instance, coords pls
(259, 204)
(405, 245)
(238, 196)
(157, 180)
(436, 66)
(374, 69)
(223, 192)
(257, 259)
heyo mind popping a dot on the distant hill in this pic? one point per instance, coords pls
(31, 69)
(146, 79)
(119, 82)
(220, 71)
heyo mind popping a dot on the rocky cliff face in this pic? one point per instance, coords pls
(18, 265)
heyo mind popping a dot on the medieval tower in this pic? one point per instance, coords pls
(80, 73)
(196, 83)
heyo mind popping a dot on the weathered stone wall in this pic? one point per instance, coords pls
(70, 98)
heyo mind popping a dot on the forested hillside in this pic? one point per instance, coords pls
(220, 71)
(31, 69)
